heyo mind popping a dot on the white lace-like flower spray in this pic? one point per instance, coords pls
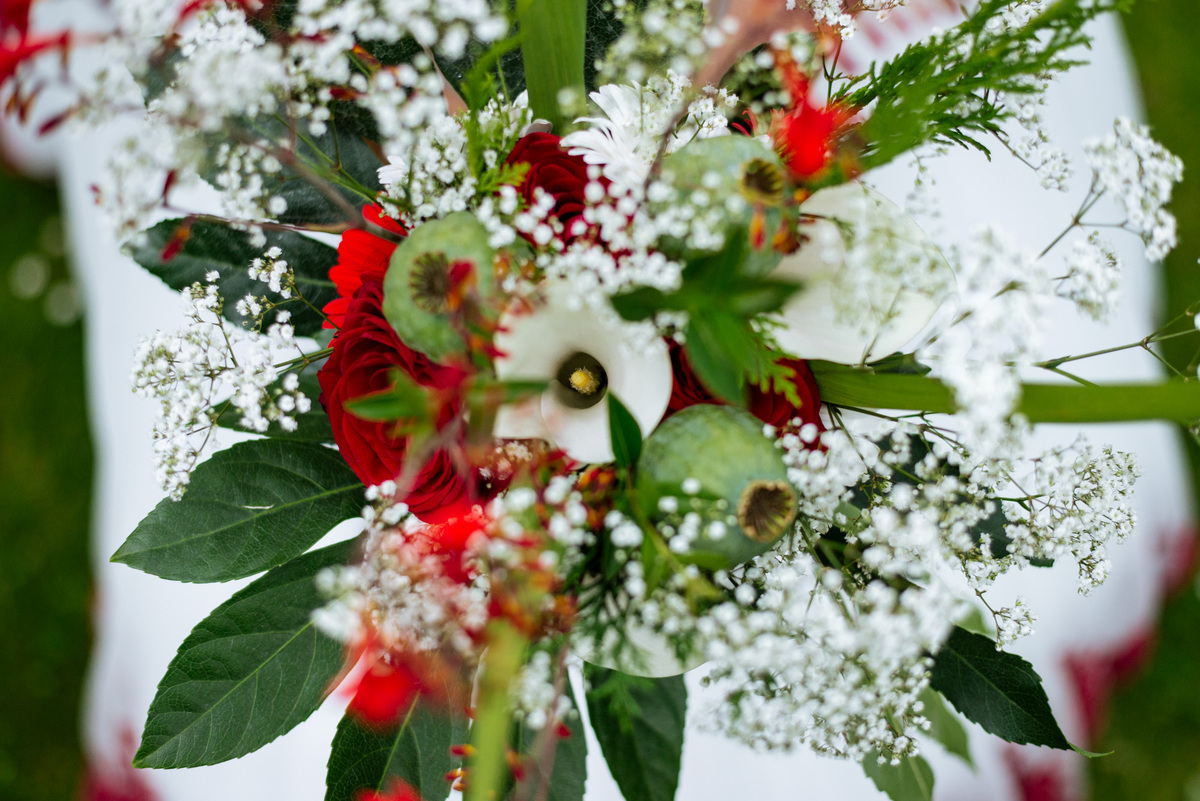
(1140, 174)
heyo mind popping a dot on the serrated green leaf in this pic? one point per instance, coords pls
(311, 426)
(625, 432)
(945, 727)
(249, 672)
(249, 508)
(417, 751)
(999, 691)
(644, 761)
(212, 246)
(911, 780)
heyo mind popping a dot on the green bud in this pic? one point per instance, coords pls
(416, 288)
(729, 169)
(739, 478)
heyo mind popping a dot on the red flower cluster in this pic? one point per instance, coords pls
(805, 135)
(773, 408)
(365, 352)
(398, 790)
(362, 256)
(557, 172)
(367, 349)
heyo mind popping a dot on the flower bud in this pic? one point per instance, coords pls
(432, 271)
(718, 462)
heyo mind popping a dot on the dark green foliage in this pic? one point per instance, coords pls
(248, 673)
(347, 158)
(212, 246)
(639, 725)
(416, 750)
(999, 691)
(248, 508)
(46, 596)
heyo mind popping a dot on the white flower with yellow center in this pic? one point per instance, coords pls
(584, 355)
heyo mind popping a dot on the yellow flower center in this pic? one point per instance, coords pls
(584, 381)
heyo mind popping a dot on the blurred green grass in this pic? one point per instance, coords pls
(45, 484)
(45, 487)
(1154, 723)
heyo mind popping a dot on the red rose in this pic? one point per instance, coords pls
(773, 408)
(361, 256)
(365, 350)
(555, 171)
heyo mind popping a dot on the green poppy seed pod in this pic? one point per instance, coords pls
(738, 175)
(718, 457)
(418, 288)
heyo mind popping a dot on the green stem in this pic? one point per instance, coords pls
(1175, 400)
(552, 47)
(489, 733)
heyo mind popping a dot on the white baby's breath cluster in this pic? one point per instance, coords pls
(399, 592)
(1033, 144)
(833, 13)
(665, 35)
(1140, 174)
(1093, 278)
(434, 178)
(191, 372)
(995, 315)
(212, 108)
(1078, 502)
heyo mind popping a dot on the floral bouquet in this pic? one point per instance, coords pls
(587, 313)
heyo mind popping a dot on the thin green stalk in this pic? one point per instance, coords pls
(489, 733)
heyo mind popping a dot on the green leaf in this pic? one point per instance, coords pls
(552, 45)
(945, 727)
(911, 780)
(709, 340)
(417, 751)
(568, 776)
(626, 435)
(643, 303)
(340, 152)
(249, 672)
(212, 246)
(248, 508)
(405, 400)
(999, 691)
(311, 426)
(645, 760)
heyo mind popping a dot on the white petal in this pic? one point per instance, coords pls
(813, 329)
(536, 343)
